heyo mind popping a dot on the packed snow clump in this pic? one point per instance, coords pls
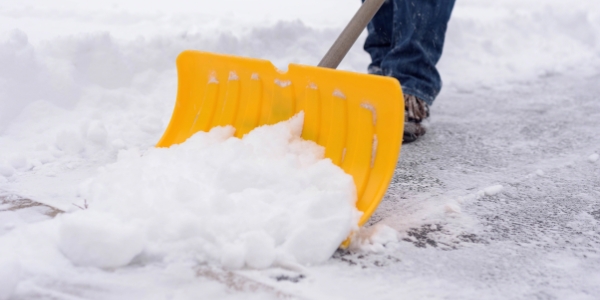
(493, 190)
(265, 199)
(97, 239)
(374, 238)
(489, 191)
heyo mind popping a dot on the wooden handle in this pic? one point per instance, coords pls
(350, 34)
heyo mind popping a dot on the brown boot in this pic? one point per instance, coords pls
(415, 111)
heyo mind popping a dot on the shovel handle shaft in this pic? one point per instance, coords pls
(350, 34)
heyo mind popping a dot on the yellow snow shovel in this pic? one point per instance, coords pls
(358, 118)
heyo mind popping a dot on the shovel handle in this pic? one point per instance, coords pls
(350, 34)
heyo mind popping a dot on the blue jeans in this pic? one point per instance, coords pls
(405, 41)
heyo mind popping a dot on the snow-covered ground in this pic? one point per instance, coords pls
(501, 198)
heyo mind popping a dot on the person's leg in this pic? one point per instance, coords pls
(419, 28)
(379, 40)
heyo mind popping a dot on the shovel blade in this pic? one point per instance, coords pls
(357, 118)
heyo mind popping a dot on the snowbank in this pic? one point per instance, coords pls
(494, 43)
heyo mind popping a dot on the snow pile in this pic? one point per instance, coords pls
(243, 202)
(269, 198)
(374, 238)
